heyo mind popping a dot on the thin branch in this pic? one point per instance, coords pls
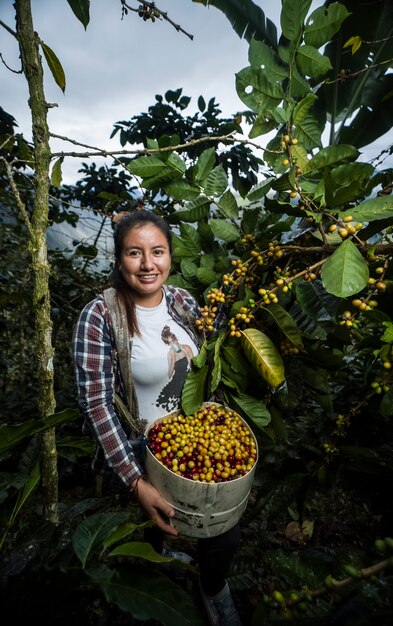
(153, 9)
(21, 205)
(100, 152)
(12, 32)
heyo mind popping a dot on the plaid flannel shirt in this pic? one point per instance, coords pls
(98, 378)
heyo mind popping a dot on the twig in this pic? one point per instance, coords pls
(21, 205)
(152, 6)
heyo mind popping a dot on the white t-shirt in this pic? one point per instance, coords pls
(159, 367)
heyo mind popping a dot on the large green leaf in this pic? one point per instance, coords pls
(54, 66)
(146, 166)
(89, 536)
(308, 130)
(205, 163)
(182, 190)
(346, 272)
(315, 302)
(228, 205)
(148, 595)
(255, 409)
(375, 209)
(311, 62)
(195, 210)
(330, 156)
(194, 390)
(216, 182)
(206, 276)
(286, 324)
(263, 355)
(262, 56)
(12, 434)
(81, 9)
(293, 14)
(216, 371)
(256, 91)
(190, 237)
(224, 230)
(188, 269)
(323, 23)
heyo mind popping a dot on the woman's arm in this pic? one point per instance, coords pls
(95, 377)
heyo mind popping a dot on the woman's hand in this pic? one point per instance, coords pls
(155, 506)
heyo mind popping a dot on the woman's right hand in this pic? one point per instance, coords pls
(155, 506)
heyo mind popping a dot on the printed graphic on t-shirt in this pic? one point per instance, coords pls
(179, 359)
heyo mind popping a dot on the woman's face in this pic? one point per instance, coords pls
(145, 263)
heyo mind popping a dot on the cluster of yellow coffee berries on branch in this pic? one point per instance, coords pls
(205, 322)
(241, 320)
(379, 283)
(346, 227)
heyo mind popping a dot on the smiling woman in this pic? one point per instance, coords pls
(136, 341)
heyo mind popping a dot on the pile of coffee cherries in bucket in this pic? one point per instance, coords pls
(212, 445)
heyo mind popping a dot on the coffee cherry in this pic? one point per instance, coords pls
(285, 162)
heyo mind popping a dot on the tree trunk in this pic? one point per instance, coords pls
(32, 69)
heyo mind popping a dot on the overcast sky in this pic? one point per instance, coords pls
(115, 67)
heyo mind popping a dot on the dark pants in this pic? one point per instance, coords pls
(214, 554)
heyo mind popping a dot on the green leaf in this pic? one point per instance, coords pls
(54, 66)
(146, 166)
(259, 191)
(139, 549)
(12, 434)
(56, 176)
(177, 163)
(263, 355)
(286, 324)
(205, 164)
(330, 156)
(262, 56)
(345, 272)
(216, 182)
(224, 230)
(315, 302)
(323, 23)
(146, 595)
(308, 130)
(30, 486)
(195, 210)
(293, 14)
(194, 390)
(206, 276)
(81, 9)
(216, 371)
(188, 269)
(228, 205)
(89, 536)
(311, 62)
(387, 335)
(255, 409)
(190, 237)
(375, 209)
(256, 91)
(181, 190)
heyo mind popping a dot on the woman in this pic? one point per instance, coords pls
(118, 353)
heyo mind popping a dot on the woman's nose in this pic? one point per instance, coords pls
(147, 261)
